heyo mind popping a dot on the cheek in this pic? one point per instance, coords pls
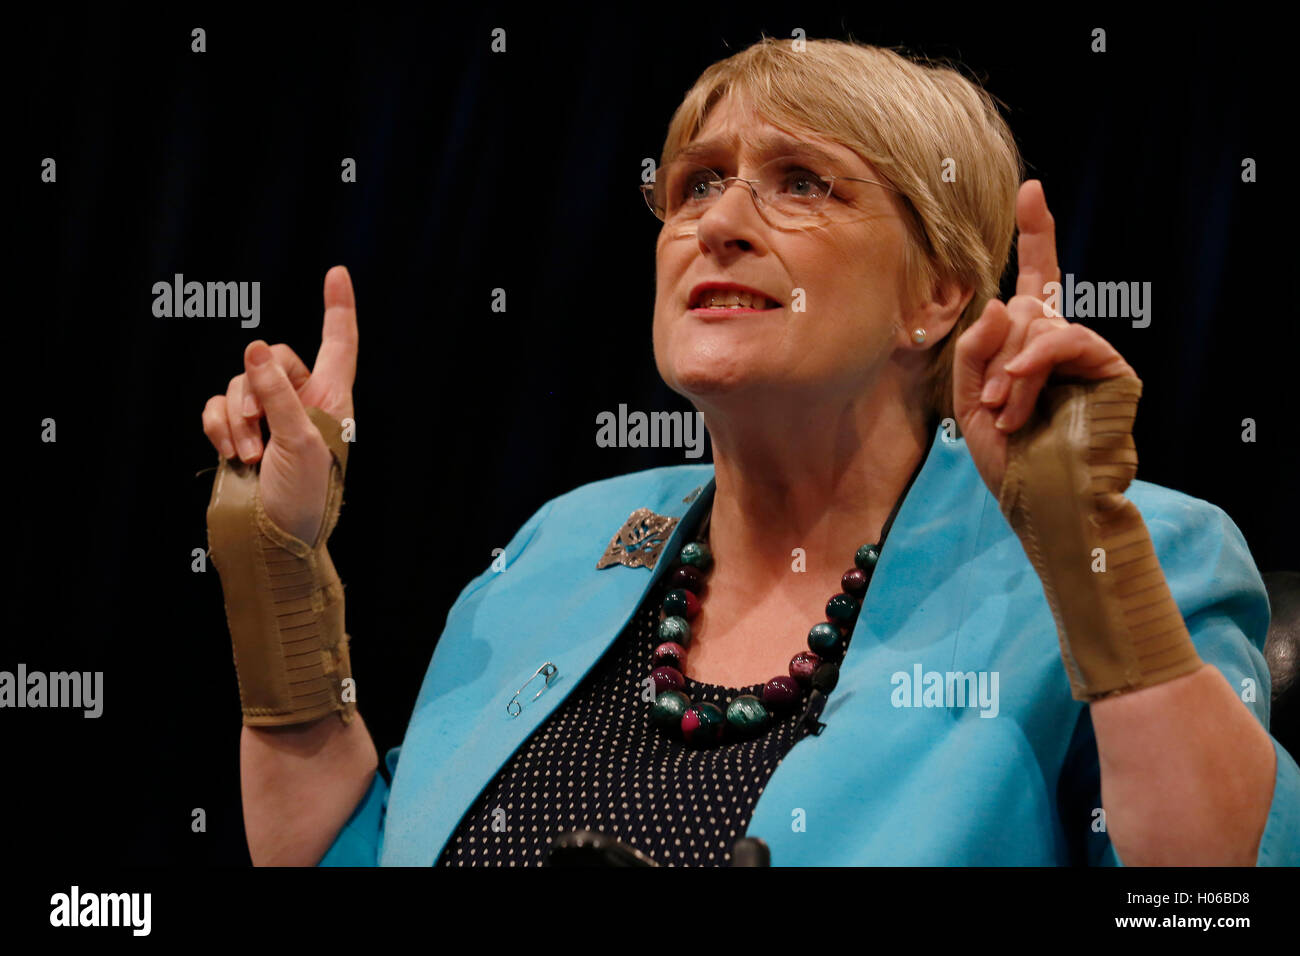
(858, 284)
(840, 280)
(871, 267)
(671, 263)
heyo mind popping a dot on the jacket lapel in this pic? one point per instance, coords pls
(551, 604)
(912, 612)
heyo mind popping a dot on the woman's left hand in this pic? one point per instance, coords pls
(1005, 358)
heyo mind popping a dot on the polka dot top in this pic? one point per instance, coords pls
(598, 763)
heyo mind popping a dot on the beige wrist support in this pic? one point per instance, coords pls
(1067, 469)
(284, 600)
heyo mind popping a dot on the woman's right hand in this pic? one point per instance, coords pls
(295, 469)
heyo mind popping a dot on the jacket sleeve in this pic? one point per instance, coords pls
(361, 840)
(1213, 578)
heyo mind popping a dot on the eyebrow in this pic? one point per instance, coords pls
(766, 145)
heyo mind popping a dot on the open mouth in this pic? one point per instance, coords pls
(732, 300)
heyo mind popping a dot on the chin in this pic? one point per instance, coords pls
(711, 360)
(704, 373)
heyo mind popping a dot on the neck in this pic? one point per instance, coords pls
(821, 477)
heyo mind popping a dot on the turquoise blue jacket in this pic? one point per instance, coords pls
(883, 784)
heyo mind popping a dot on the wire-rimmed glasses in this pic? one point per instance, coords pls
(785, 189)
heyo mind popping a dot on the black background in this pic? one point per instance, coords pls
(477, 171)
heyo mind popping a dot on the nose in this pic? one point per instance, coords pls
(731, 220)
(745, 186)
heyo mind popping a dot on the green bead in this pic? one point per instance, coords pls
(668, 708)
(675, 629)
(697, 554)
(867, 557)
(826, 640)
(702, 723)
(843, 609)
(746, 713)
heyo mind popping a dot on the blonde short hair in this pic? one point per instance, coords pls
(908, 118)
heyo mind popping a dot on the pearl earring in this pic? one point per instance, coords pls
(918, 336)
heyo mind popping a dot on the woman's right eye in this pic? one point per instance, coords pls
(696, 186)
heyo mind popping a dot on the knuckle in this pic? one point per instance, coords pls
(288, 360)
(276, 382)
(307, 442)
(237, 422)
(1026, 306)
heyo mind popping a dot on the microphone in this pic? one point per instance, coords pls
(592, 848)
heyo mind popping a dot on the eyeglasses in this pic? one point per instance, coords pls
(786, 190)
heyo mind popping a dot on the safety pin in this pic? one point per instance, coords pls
(548, 671)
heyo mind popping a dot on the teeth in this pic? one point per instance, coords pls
(730, 299)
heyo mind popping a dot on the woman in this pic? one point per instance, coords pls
(872, 406)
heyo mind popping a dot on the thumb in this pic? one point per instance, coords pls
(284, 412)
(975, 349)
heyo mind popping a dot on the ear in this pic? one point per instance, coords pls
(936, 315)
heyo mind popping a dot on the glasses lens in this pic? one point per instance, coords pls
(790, 190)
(681, 190)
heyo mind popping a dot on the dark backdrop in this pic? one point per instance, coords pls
(476, 171)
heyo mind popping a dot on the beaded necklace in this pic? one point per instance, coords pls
(813, 673)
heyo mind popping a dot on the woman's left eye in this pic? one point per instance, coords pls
(804, 184)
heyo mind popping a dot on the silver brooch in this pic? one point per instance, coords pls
(637, 544)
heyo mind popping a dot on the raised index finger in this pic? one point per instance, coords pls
(1036, 247)
(336, 362)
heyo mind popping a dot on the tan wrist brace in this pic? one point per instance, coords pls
(1067, 468)
(284, 600)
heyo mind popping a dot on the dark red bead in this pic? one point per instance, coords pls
(855, 582)
(667, 678)
(670, 654)
(692, 605)
(802, 666)
(781, 692)
(689, 577)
